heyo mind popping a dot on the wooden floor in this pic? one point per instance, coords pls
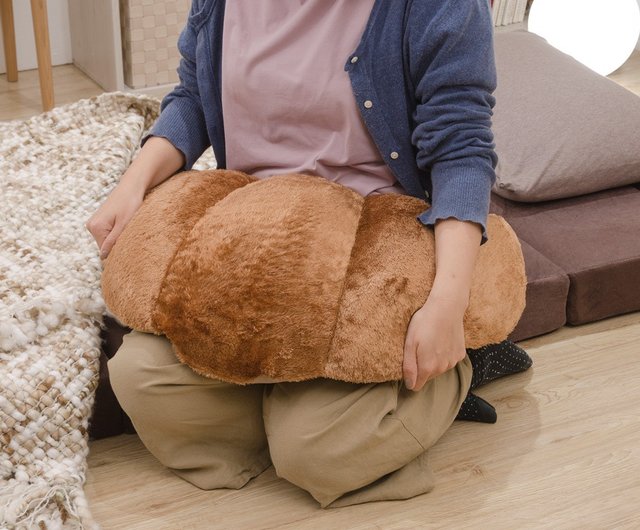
(21, 99)
(628, 75)
(565, 452)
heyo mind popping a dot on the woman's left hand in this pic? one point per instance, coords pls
(434, 342)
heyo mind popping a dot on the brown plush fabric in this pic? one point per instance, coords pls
(293, 277)
(145, 252)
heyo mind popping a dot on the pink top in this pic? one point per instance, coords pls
(287, 102)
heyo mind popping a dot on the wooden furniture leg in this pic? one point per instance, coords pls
(43, 50)
(9, 39)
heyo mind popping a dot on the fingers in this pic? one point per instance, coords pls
(410, 364)
(104, 236)
(430, 370)
(99, 230)
(106, 247)
(434, 344)
(420, 365)
(109, 241)
(109, 221)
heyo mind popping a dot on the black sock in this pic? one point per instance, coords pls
(490, 362)
(497, 360)
(475, 408)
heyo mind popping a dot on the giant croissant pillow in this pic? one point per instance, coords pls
(293, 277)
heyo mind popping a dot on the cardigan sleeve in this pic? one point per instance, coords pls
(181, 119)
(452, 68)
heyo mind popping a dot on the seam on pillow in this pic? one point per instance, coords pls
(344, 283)
(180, 246)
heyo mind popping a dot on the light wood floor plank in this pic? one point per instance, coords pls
(21, 99)
(564, 454)
(628, 75)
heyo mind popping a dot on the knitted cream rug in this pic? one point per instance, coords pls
(55, 171)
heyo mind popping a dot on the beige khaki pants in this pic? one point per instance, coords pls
(344, 443)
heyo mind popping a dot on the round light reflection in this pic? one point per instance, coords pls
(599, 33)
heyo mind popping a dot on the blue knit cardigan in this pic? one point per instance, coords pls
(422, 75)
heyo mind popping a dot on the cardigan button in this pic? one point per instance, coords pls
(368, 104)
(354, 59)
(394, 155)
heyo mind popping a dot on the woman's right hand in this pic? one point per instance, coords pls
(157, 161)
(108, 222)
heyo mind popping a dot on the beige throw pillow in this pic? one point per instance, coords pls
(561, 130)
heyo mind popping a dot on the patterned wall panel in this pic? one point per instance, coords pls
(150, 30)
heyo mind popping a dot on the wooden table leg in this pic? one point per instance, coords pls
(43, 50)
(9, 39)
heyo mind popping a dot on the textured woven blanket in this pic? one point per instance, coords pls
(55, 170)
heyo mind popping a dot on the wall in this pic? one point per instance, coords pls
(638, 45)
(150, 33)
(96, 41)
(59, 33)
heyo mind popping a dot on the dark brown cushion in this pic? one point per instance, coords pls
(108, 418)
(547, 290)
(595, 240)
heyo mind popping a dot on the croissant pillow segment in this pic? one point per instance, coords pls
(138, 262)
(293, 277)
